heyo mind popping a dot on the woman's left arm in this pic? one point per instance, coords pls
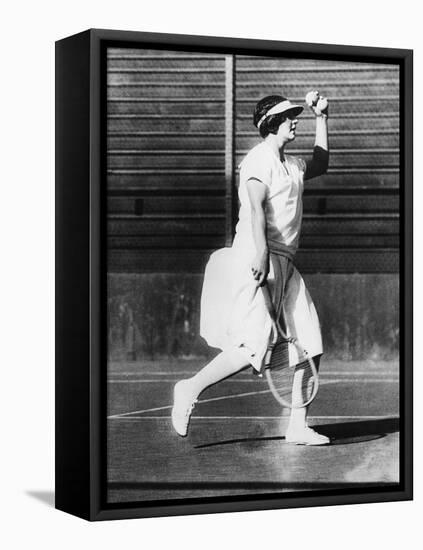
(318, 165)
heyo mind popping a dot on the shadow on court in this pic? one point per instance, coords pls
(339, 434)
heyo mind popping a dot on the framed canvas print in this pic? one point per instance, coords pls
(234, 236)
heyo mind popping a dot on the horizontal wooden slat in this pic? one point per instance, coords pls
(140, 105)
(166, 107)
(165, 226)
(159, 174)
(356, 159)
(185, 160)
(177, 140)
(309, 191)
(181, 166)
(349, 241)
(345, 89)
(266, 64)
(351, 203)
(183, 125)
(167, 70)
(212, 120)
(143, 242)
(157, 53)
(203, 204)
(350, 225)
(157, 93)
(166, 205)
(207, 181)
(164, 80)
(319, 79)
(342, 261)
(128, 126)
(215, 180)
(252, 92)
(141, 153)
(340, 140)
(157, 63)
(362, 175)
(194, 74)
(158, 261)
(306, 124)
(214, 160)
(308, 261)
(181, 78)
(214, 225)
(339, 103)
(214, 152)
(244, 61)
(173, 141)
(150, 102)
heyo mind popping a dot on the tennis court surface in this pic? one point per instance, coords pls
(236, 445)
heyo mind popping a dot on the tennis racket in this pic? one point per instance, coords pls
(292, 386)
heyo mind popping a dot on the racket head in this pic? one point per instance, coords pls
(282, 374)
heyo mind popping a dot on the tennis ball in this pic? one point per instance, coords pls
(312, 98)
(322, 104)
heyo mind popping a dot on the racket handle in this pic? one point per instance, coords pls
(268, 301)
(272, 312)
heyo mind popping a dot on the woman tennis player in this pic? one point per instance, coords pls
(234, 317)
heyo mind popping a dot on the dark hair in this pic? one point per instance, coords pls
(270, 125)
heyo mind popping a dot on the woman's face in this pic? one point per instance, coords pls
(286, 132)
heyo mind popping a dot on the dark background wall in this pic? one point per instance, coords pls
(178, 124)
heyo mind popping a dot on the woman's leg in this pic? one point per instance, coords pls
(298, 430)
(187, 391)
(223, 365)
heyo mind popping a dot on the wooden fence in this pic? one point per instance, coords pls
(179, 123)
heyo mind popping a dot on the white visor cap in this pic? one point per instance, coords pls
(281, 107)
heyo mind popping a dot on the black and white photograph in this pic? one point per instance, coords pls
(211, 275)
(253, 274)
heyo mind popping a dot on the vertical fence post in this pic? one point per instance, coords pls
(230, 194)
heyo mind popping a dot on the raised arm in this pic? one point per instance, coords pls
(257, 194)
(318, 165)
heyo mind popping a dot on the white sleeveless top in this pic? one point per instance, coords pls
(284, 207)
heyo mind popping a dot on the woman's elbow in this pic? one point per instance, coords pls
(324, 168)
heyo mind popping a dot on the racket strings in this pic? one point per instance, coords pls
(295, 385)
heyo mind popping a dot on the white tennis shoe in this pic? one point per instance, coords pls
(305, 436)
(183, 404)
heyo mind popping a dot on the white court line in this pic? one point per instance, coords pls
(154, 373)
(325, 379)
(324, 373)
(250, 381)
(366, 381)
(280, 417)
(220, 398)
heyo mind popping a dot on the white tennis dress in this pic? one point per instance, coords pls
(233, 312)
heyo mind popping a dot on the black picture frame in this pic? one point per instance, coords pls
(81, 276)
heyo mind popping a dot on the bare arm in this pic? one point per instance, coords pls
(257, 194)
(320, 161)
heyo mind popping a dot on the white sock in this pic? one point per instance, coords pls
(298, 417)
